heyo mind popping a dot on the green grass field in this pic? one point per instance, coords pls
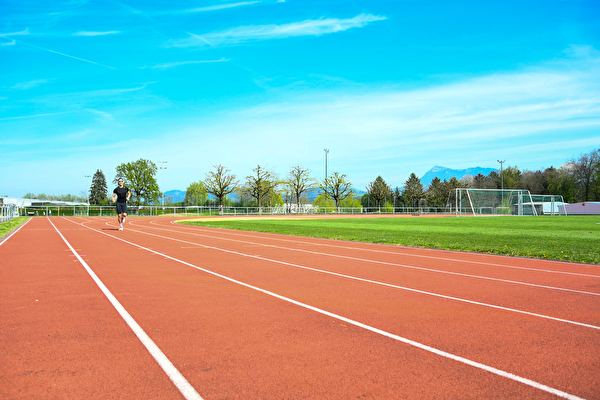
(566, 238)
(8, 226)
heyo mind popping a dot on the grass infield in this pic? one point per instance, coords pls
(565, 238)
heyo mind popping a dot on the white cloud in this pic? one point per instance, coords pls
(266, 32)
(535, 118)
(84, 33)
(102, 115)
(177, 64)
(13, 42)
(29, 84)
(23, 32)
(220, 7)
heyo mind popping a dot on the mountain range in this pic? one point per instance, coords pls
(177, 196)
(447, 173)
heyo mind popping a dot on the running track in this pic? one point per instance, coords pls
(164, 311)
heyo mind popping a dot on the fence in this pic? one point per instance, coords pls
(110, 211)
(8, 212)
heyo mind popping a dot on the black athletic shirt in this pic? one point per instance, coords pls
(121, 194)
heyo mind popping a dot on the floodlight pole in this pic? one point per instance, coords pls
(326, 152)
(88, 197)
(502, 177)
(502, 172)
(162, 168)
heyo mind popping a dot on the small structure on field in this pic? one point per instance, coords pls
(585, 208)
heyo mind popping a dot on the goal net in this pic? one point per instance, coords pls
(492, 202)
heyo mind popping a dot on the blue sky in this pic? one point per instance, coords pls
(389, 87)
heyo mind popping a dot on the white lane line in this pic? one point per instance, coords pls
(15, 231)
(172, 372)
(477, 303)
(236, 233)
(401, 339)
(392, 264)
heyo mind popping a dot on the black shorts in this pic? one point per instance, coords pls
(121, 208)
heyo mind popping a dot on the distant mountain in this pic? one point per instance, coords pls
(447, 173)
(174, 196)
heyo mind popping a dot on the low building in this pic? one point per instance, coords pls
(584, 208)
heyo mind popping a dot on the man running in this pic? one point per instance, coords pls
(121, 196)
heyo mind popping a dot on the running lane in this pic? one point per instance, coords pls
(250, 319)
(60, 338)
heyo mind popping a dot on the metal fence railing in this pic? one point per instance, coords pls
(198, 211)
(8, 212)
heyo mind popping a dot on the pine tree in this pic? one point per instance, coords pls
(98, 189)
(379, 190)
(413, 190)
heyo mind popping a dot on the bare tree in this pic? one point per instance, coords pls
(261, 185)
(337, 187)
(220, 183)
(299, 182)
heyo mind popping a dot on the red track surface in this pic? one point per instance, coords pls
(237, 315)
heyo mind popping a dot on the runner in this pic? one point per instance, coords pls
(121, 196)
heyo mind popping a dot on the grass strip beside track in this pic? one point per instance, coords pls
(565, 238)
(7, 227)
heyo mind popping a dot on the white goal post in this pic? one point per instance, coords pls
(469, 201)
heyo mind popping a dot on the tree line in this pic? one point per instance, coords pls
(577, 180)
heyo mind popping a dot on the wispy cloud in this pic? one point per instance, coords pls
(29, 84)
(219, 7)
(467, 122)
(60, 54)
(34, 116)
(84, 33)
(23, 32)
(12, 41)
(267, 32)
(103, 116)
(180, 63)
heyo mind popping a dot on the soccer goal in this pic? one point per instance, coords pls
(492, 202)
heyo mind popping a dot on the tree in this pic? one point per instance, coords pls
(323, 201)
(337, 188)
(261, 185)
(413, 190)
(195, 194)
(98, 190)
(299, 182)
(139, 178)
(562, 182)
(437, 193)
(397, 197)
(534, 181)
(481, 181)
(586, 169)
(509, 179)
(220, 183)
(379, 190)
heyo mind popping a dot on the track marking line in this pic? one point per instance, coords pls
(254, 244)
(477, 303)
(398, 338)
(172, 372)
(274, 237)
